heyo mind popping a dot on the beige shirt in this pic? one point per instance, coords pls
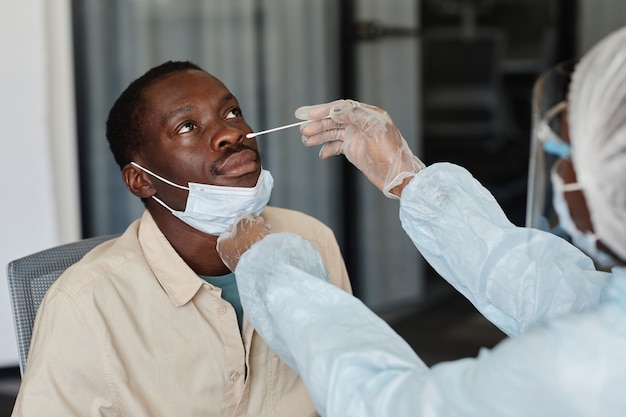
(131, 330)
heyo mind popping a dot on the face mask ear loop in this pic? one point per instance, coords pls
(162, 203)
(182, 187)
(572, 186)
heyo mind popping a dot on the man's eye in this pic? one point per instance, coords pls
(233, 114)
(187, 127)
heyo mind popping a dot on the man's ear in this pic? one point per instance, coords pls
(137, 181)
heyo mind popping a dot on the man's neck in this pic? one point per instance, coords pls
(196, 248)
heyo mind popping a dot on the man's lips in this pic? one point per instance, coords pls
(240, 163)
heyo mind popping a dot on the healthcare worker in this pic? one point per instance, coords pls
(566, 321)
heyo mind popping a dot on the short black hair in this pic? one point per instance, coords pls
(124, 124)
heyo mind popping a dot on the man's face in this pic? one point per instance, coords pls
(195, 132)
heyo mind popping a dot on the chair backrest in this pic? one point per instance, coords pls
(30, 277)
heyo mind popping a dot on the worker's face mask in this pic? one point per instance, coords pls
(212, 209)
(585, 241)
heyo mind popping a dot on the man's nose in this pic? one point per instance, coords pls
(226, 135)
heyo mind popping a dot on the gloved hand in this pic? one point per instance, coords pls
(239, 238)
(367, 136)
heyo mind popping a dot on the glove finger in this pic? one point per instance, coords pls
(320, 111)
(241, 224)
(331, 149)
(253, 226)
(371, 120)
(316, 126)
(321, 132)
(313, 112)
(324, 137)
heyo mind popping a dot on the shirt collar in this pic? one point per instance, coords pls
(178, 280)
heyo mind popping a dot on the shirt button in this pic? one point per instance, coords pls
(234, 377)
(222, 310)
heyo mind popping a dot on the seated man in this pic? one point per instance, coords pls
(150, 324)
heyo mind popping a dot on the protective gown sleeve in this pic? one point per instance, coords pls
(514, 276)
(352, 362)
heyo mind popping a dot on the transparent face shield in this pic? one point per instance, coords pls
(563, 211)
(549, 143)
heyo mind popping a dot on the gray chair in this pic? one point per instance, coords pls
(30, 277)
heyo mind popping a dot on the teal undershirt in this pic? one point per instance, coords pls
(228, 284)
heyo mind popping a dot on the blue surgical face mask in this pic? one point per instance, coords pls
(212, 209)
(552, 140)
(585, 241)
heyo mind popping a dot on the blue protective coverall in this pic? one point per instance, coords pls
(566, 322)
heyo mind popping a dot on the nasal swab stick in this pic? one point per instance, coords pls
(262, 132)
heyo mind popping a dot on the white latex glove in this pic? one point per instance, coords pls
(239, 238)
(367, 136)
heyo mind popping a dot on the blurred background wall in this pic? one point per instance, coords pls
(38, 158)
(456, 75)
